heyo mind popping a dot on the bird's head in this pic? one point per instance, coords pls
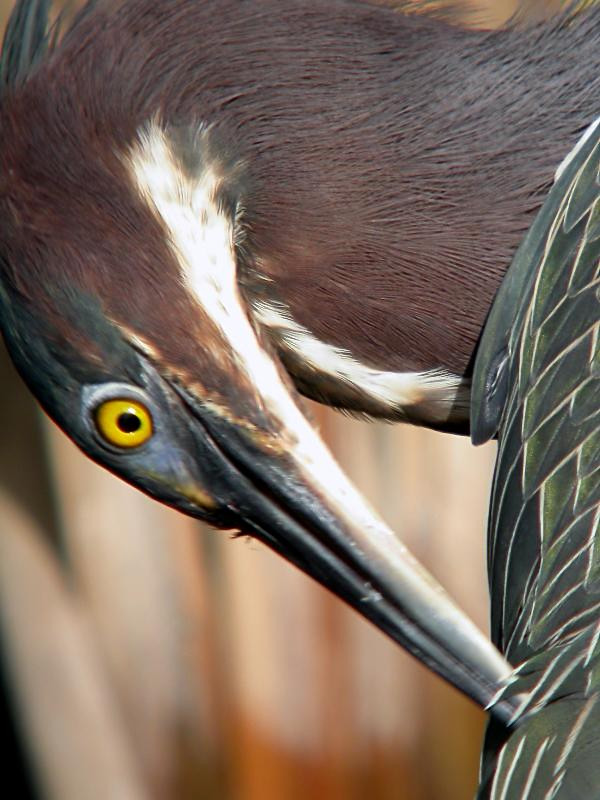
(121, 242)
(121, 308)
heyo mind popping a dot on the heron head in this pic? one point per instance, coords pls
(121, 264)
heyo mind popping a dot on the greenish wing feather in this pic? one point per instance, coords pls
(537, 385)
(30, 35)
(553, 754)
(26, 40)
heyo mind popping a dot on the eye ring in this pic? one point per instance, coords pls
(123, 422)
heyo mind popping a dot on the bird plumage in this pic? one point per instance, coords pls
(338, 99)
(194, 194)
(129, 198)
(537, 381)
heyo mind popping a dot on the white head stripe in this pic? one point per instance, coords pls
(202, 240)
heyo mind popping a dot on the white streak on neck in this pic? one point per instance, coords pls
(435, 395)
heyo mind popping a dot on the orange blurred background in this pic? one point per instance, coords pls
(146, 656)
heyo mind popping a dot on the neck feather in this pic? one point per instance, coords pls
(392, 163)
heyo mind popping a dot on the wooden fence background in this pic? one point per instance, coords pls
(145, 656)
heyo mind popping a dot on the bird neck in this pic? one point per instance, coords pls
(391, 164)
(387, 242)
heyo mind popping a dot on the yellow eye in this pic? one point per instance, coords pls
(124, 423)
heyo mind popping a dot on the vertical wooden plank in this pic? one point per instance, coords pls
(432, 490)
(138, 568)
(68, 711)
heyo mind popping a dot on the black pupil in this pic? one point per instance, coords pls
(129, 422)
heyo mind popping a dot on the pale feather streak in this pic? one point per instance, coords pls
(438, 394)
(202, 239)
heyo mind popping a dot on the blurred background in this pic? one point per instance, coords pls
(146, 656)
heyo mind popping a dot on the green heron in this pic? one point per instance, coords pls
(206, 206)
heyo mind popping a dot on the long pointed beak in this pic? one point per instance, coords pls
(298, 501)
(262, 465)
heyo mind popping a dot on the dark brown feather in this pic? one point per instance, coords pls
(391, 162)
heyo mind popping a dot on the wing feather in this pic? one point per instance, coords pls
(537, 385)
